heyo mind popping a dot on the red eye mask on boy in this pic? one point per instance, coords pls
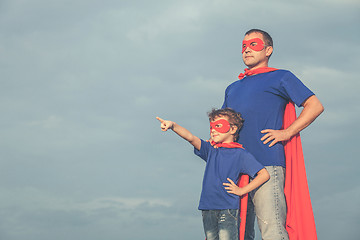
(221, 126)
(255, 44)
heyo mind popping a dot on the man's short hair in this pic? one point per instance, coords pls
(266, 36)
(234, 118)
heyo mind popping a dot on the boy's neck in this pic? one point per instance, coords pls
(227, 141)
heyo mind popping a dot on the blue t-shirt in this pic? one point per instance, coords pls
(223, 163)
(261, 99)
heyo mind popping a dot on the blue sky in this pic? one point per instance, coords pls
(82, 155)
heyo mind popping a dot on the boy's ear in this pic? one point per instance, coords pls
(233, 129)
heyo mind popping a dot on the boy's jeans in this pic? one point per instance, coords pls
(270, 206)
(221, 224)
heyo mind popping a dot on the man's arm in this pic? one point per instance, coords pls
(261, 177)
(312, 109)
(181, 131)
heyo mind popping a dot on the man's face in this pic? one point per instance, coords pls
(255, 56)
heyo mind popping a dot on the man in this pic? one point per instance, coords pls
(261, 96)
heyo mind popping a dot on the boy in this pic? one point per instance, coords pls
(220, 205)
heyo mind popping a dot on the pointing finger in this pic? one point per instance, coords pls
(160, 119)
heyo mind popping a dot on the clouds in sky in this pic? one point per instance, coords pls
(82, 155)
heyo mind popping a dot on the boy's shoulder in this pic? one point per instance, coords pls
(234, 149)
(239, 150)
(242, 152)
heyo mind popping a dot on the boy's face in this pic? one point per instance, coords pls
(221, 131)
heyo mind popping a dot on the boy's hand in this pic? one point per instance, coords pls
(233, 188)
(165, 124)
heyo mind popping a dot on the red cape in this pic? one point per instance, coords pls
(244, 180)
(300, 223)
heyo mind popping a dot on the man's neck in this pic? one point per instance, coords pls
(257, 66)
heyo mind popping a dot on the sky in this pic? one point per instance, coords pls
(81, 153)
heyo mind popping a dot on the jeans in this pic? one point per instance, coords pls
(269, 204)
(221, 224)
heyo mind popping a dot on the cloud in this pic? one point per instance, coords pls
(338, 220)
(51, 122)
(178, 19)
(33, 211)
(82, 83)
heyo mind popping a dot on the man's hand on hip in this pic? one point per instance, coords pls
(274, 136)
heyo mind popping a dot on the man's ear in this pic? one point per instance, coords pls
(269, 51)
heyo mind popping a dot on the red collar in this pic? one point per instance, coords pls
(256, 71)
(227, 145)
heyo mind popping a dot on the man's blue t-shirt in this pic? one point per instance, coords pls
(223, 163)
(261, 99)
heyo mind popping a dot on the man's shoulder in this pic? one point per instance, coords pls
(282, 72)
(280, 76)
(233, 83)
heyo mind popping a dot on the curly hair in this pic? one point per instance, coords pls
(234, 118)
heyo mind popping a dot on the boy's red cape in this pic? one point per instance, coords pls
(244, 180)
(300, 223)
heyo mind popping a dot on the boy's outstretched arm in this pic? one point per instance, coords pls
(181, 131)
(261, 177)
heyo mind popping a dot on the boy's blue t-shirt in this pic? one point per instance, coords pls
(223, 163)
(261, 100)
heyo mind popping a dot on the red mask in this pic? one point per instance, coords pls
(255, 44)
(221, 126)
